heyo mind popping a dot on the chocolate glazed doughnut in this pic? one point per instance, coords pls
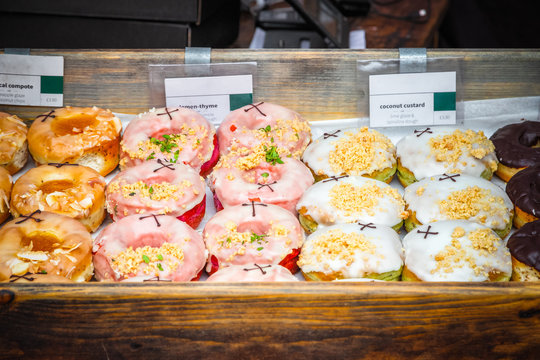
(517, 146)
(524, 245)
(524, 191)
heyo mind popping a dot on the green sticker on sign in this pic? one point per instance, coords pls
(236, 101)
(444, 101)
(52, 84)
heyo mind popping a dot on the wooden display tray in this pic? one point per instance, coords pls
(266, 321)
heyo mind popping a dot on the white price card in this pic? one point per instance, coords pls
(212, 96)
(412, 99)
(31, 80)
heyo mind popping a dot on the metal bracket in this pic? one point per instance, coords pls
(17, 51)
(197, 55)
(412, 60)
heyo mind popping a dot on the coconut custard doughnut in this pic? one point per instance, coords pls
(158, 187)
(455, 250)
(252, 273)
(5, 193)
(13, 144)
(75, 135)
(272, 180)
(348, 199)
(444, 150)
(175, 134)
(47, 244)
(524, 247)
(453, 197)
(148, 248)
(69, 189)
(346, 251)
(352, 151)
(524, 191)
(253, 233)
(264, 123)
(517, 147)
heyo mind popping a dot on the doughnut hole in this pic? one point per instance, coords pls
(155, 240)
(254, 227)
(72, 125)
(531, 140)
(41, 241)
(56, 185)
(264, 174)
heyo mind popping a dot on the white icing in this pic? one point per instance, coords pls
(420, 252)
(386, 256)
(432, 191)
(317, 201)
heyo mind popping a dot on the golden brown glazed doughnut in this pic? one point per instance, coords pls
(5, 192)
(13, 144)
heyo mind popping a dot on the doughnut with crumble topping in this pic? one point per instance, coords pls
(13, 143)
(524, 246)
(453, 197)
(76, 135)
(455, 250)
(45, 243)
(148, 248)
(352, 151)
(524, 191)
(264, 123)
(347, 251)
(69, 189)
(348, 199)
(178, 134)
(250, 233)
(444, 150)
(5, 193)
(158, 187)
(270, 179)
(252, 273)
(517, 147)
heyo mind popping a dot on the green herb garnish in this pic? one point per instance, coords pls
(151, 190)
(257, 238)
(175, 157)
(266, 129)
(132, 194)
(43, 272)
(159, 267)
(272, 156)
(260, 248)
(160, 257)
(146, 259)
(264, 174)
(151, 156)
(164, 145)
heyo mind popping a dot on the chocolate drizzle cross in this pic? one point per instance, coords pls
(59, 165)
(253, 206)
(369, 226)
(167, 112)
(156, 278)
(259, 267)
(451, 177)
(31, 216)
(427, 232)
(263, 185)
(422, 132)
(154, 216)
(336, 178)
(46, 116)
(164, 165)
(14, 278)
(327, 135)
(253, 106)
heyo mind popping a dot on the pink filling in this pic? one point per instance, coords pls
(194, 216)
(290, 260)
(217, 203)
(206, 168)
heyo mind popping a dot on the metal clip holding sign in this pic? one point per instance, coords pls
(197, 55)
(412, 60)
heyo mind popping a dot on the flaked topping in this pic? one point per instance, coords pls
(337, 245)
(449, 148)
(356, 153)
(157, 192)
(352, 199)
(31, 259)
(458, 232)
(149, 260)
(484, 240)
(469, 202)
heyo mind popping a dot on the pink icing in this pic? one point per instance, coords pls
(252, 272)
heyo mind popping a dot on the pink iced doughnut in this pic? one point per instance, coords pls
(253, 233)
(253, 273)
(158, 187)
(236, 180)
(148, 248)
(170, 133)
(259, 123)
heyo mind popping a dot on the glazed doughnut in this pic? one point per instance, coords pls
(444, 150)
(238, 179)
(158, 187)
(13, 144)
(264, 123)
(75, 135)
(347, 251)
(69, 189)
(5, 193)
(253, 233)
(517, 147)
(178, 134)
(46, 243)
(524, 246)
(348, 199)
(148, 248)
(354, 151)
(252, 273)
(455, 250)
(524, 191)
(453, 197)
